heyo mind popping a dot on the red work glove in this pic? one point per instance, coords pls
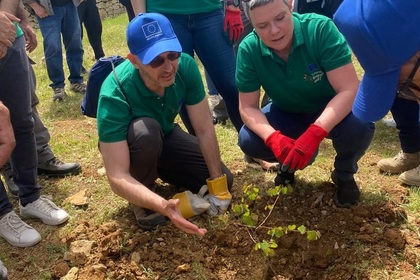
(280, 145)
(304, 148)
(233, 24)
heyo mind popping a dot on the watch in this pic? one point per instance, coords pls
(235, 3)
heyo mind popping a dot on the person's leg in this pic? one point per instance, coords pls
(145, 144)
(5, 205)
(93, 27)
(290, 124)
(51, 32)
(128, 8)
(216, 103)
(72, 42)
(15, 94)
(182, 163)
(350, 138)
(218, 58)
(406, 116)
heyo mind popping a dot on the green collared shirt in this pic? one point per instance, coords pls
(115, 112)
(299, 85)
(183, 7)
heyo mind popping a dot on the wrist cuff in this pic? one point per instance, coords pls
(184, 205)
(218, 185)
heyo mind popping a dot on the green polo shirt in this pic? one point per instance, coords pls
(299, 85)
(115, 112)
(182, 7)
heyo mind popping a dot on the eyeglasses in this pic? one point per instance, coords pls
(159, 60)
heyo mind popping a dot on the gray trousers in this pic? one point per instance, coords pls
(42, 135)
(175, 158)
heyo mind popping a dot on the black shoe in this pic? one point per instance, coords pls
(284, 178)
(147, 219)
(347, 193)
(56, 168)
(7, 173)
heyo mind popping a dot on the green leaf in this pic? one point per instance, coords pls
(273, 191)
(269, 207)
(312, 235)
(302, 229)
(284, 190)
(291, 227)
(238, 209)
(248, 220)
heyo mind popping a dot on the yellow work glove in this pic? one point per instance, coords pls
(191, 204)
(219, 196)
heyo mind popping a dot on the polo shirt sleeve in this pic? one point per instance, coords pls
(190, 75)
(246, 74)
(334, 50)
(114, 115)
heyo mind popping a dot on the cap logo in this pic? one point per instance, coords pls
(152, 30)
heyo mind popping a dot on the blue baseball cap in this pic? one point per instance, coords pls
(384, 35)
(149, 35)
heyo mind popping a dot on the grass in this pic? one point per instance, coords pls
(74, 138)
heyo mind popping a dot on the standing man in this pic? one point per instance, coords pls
(16, 97)
(139, 140)
(58, 18)
(304, 65)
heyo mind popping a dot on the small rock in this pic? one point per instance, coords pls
(182, 268)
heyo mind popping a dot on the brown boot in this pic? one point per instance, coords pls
(411, 177)
(400, 163)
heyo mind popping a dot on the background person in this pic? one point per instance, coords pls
(89, 16)
(56, 19)
(388, 61)
(16, 98)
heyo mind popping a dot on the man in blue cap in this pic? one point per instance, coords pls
(385, 37)
(139, 140)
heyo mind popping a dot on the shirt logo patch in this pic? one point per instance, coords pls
(316, 74)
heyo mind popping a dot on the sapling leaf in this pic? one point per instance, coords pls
(302, 229)
(238, 209)
(311, 235)
(284, 191)
(273, 191)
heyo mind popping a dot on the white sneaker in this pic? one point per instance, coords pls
(46, 210)
(17, 232)
(3, 271)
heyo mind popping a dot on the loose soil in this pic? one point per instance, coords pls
(373, 240)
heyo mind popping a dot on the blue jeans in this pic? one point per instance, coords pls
(350, 138)
(65, 22)
(406, 115)
(15, 94)
(203, 34)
